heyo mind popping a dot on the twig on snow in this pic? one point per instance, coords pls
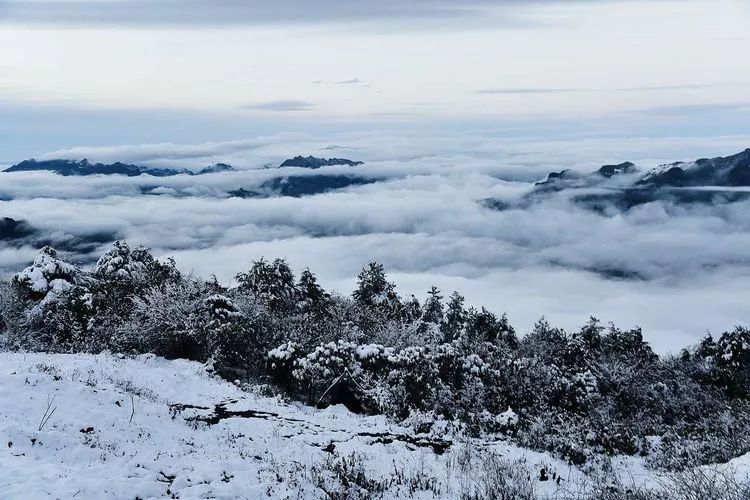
(48, 412)
(132, 408)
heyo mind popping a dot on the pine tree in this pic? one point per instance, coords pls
(374, 291)
(432, 311)
(483, 326)
(311, 295)
(455, 318)
(431, 319)
(271, 284)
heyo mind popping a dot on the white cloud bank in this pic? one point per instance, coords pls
(426, 222)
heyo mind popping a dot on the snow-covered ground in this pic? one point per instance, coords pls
(151, 428)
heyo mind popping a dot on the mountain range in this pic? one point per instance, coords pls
(728, 171)
(624, 186)
(67, 167)
(84, 167)
(305, 185)
(297, 186)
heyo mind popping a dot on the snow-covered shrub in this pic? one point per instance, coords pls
(507, 420)
(342, 371)
(48, 277)
(345, 478)
(414, 382)
(123, 278)
(167, 321)
(281, 363)
(120, 262)
(48, 305)
(236, 342)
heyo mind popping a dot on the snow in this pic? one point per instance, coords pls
(131, 428)
(660, 169)
(44, 274)
(508, 418)
(284, 352)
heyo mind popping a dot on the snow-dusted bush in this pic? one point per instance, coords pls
(48, 277)
(120, 262)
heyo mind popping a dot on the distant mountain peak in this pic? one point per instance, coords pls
(619, 169)
(216, 168)
(556, 179)
(313, 162)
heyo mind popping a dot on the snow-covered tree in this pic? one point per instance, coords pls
(120, 262)
(455, 318)
(374, 291)
(48, 277)
(271, 284)
(432, 310)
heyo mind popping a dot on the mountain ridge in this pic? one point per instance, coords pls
(68, 168)
(315, 163)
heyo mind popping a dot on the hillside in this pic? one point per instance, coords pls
(104, 426)
(279, 388)
(129, 428)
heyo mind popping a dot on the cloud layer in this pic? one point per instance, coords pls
(250, 12)
(426, 220)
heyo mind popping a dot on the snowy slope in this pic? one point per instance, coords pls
(254, 447)
(91, 449)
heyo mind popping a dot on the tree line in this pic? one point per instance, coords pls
(429, 363)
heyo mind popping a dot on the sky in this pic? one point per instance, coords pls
(99, 72)
(447, 102)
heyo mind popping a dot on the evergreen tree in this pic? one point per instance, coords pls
(48, 277)
(455, 318)
(432, 311)
(271, 284)
(375, 292)
(312, 296)
(484, 326)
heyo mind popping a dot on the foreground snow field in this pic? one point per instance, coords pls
(86, 426)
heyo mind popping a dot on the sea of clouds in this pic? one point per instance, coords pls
(676, 271)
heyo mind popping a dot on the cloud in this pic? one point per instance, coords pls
(695, 109)
(198, 13)
(229, 12)
(686, 86)
(350, 81)
(426, 222)
(282, 105)
(645, 88)
(530, 90)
